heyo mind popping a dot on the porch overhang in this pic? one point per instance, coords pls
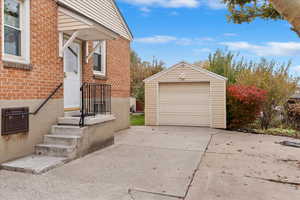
(80, 27)
(70, 22)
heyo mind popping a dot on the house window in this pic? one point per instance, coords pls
(99, 58)
(16, 31)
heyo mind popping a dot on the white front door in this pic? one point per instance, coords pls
(72, 80)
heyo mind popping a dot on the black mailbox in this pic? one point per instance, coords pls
(15, 120)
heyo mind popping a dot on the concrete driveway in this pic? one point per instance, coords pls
(238, 166)
(169, 163)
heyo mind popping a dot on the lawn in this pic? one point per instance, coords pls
(137, 120)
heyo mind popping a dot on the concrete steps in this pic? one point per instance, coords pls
(65, 142)
(56, 150)
(69, 121)
(34, 164)
(67, 130)
(59, 147)
(74, 121)
(70, 140)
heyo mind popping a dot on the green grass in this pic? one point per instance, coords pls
(137, 120)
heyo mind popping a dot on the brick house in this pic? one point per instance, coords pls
(64, 63)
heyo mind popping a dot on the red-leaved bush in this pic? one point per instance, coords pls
(243, 105)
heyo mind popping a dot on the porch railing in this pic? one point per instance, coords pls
(95, 99)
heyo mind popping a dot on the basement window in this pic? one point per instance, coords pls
(99, 58)
(16, 22)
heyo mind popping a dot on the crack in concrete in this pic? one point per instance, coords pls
(154, 193)
(130, 194)
(275, 181)
(220, 153)
(198, 166)
(193, 175)
(163, 148)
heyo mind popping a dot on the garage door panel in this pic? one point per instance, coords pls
(185, 120)
(183, 109)
(184, 104)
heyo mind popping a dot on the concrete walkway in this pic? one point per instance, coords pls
(169, 163)
(240, 166)
(146, 163)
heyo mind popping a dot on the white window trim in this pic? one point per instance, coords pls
(25, 34)
(103, 59)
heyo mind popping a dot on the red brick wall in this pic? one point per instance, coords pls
(47, 68)
(117, 67)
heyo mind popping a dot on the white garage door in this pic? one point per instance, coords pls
(184, 104)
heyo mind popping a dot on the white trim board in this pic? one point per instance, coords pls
(185, 64)
(24, 58)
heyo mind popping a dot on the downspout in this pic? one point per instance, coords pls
(290, 10)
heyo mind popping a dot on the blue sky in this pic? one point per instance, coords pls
(177, 30)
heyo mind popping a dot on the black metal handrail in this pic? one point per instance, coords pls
(46, 100)
(95, 99)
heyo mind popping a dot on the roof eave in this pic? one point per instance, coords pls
(78, 13)
(124, 20)
(155, 76)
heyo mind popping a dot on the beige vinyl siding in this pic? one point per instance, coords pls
(66, 22)
(184, 104)
(102, 11)
(217, 91)
(151, 104)
(218, 103)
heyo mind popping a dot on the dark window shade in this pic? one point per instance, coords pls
(97, 62)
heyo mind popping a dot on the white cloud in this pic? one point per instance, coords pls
(201, 51)
(296, 68)
(162, 39)
(184, 41)
(230, 34)
(165, 3)
(209, 39)
(213, 4)
(269, 49)
(145, 10)
(158, 39)
(174, 13)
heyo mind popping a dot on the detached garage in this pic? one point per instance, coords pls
(186, 95)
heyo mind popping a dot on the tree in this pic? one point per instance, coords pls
(224, 63)
(141, 70)
(247, 10)
(270, 76)
(292, 113)
(273, 78)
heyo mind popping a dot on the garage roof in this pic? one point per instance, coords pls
(185, 64)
